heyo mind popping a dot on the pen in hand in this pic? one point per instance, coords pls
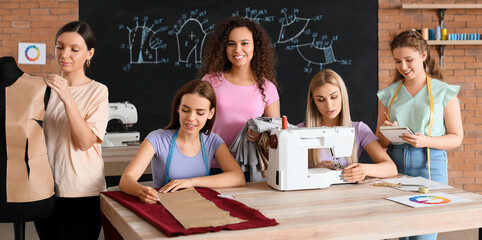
(387, 116)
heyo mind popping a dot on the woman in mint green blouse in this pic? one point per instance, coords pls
(410, 100)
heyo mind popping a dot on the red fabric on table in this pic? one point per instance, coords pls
(157, 214)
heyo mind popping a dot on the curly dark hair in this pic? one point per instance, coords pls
(215, 59)
(413, 39)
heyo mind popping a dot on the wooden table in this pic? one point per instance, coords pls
(116, 159)
(347, 211)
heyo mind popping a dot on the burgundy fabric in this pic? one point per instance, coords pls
(157, 214)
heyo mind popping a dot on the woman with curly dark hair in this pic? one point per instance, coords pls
(239, 62)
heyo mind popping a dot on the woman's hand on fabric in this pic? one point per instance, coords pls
(417, 140)
(177, 184)
(253, 136)
(148, 195)
(354, 172)
(60, 85)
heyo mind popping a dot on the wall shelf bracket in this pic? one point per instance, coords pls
(442, 48)
(442, 16)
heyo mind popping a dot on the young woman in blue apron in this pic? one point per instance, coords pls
(182, 152)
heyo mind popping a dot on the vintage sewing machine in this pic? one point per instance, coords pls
(126, 113)
(288, 156)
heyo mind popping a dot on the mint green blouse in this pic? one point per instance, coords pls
(414, 111)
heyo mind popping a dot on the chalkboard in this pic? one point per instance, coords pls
(147, 49)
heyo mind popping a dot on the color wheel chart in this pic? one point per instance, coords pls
(429, 200)
(31, 53)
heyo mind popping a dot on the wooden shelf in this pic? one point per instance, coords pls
(454, 42)
(442, 6)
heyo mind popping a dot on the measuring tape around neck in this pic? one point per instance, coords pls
(429, 87)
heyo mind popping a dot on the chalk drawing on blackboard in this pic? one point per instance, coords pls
(293, 26)
(190, 40)
(316, 52)
(257, 15)
(319, 53)
(190, 32)
(144, 43)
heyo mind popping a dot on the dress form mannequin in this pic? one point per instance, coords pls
(16, 211)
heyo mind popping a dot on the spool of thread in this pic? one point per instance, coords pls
(430, 34)
(425, 33)
(438, 33)
(423, 189)
(444, 34)
(284, 122)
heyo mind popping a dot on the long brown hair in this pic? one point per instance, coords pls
(414, 40)
(216, 61)
(195, 86)
(314, 117)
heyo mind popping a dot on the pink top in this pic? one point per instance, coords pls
(237, 104)
(77, 173)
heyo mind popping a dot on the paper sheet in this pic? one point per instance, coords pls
(429, 200)
(193, 210)
(432, 185)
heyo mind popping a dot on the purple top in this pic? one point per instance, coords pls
(363, 136)
(182, 166)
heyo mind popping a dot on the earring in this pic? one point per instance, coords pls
(87, 63)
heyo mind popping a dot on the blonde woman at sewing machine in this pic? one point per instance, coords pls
(182, 152)
(327, 105)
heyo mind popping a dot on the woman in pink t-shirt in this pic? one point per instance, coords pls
(239, 62)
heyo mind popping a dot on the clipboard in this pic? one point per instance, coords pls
(393, 133)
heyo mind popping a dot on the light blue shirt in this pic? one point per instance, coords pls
(414, 111)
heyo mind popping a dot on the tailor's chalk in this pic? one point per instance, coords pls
(225, 196)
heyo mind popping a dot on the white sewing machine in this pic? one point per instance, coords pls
(288, 157)
(126, 113)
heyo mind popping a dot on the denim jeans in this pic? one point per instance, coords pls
(412, 161)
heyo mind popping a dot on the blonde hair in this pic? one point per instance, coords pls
(314, 117)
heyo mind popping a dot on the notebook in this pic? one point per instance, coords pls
(393, 133)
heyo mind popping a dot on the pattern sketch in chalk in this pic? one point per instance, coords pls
(257, 15)
(144, 43)
(291, 26)
(190, 33)
(316, 52)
